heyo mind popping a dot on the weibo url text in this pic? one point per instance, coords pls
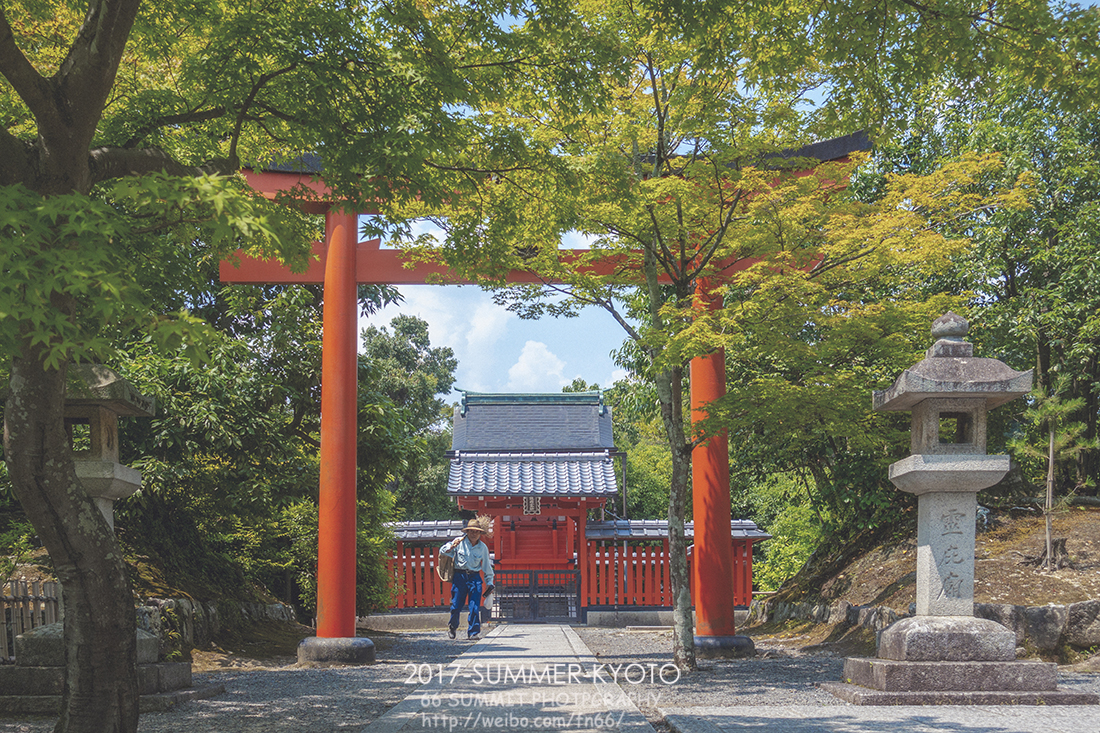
(510, 721)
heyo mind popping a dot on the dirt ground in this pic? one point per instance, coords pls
(886, 576)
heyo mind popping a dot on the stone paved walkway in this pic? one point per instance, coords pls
(543, 677)
(519, 677)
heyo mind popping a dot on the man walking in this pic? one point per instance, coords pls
(471, 558)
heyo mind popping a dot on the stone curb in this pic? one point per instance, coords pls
(1045, 627)
(197, 622)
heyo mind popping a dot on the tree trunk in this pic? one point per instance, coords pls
(1048, 507)
(1088, 459)
(670, 392)
(100, 692)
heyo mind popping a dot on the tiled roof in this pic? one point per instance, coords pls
(428, 531)
(485, 473)
(657, 529)
(528, 422)
(619, 529)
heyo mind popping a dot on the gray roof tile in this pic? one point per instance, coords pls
(657, 529)
(565, 421)
(619, 529)
(542, 474)
(428, 531)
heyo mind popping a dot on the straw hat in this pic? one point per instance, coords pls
(481, 523)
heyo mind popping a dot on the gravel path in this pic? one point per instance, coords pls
(780, 675)
(284, 697)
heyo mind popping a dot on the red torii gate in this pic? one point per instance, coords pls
(342, 263)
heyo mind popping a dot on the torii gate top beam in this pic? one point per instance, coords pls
(374, 265)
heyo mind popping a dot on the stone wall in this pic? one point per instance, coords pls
(182, 622)
(873, 618)
(1046, 628)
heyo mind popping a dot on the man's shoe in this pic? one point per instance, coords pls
(451, 631)
(473, 637)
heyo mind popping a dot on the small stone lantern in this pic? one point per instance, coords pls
(96, 398)
(944, 655)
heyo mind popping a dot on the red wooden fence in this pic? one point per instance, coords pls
(636, 576)
(415, 581)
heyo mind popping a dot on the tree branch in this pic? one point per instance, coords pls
(107, 163)
(88, 72)
(260, 84)
(177, 119)
(470, 169)
(31, 86)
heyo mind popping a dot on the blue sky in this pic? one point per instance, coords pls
(499, 352)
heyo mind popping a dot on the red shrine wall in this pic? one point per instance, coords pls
(613, 573)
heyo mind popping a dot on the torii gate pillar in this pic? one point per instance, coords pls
(336, 640)
(715, 632)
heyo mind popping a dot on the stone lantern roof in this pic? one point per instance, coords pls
(96, 384)
(951, 370)
(96, 396)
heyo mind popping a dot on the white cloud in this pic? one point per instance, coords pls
(537, 370)
(466, 320)
(486, 325)
(486, 339)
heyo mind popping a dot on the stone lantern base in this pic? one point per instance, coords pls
(951, 660)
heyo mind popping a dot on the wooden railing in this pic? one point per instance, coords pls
(416, 583)
(23, 606)
(635, 576)
(630, 576)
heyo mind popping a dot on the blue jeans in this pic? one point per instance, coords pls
(466, 585)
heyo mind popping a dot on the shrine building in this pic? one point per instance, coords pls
(542, 466)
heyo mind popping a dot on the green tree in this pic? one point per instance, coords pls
(408, 369)
(781, 505)
(115, 113)
(1052, 413)
(671, 178)
(412, 374)
(234, 445)
(1036, 273)
(1033, 272)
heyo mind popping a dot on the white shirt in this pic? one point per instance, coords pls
(472, 557)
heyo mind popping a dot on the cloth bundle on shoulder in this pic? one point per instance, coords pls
(445, 564)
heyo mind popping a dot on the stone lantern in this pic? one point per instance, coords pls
(96, 398)
(949, 393)
(944, 654)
